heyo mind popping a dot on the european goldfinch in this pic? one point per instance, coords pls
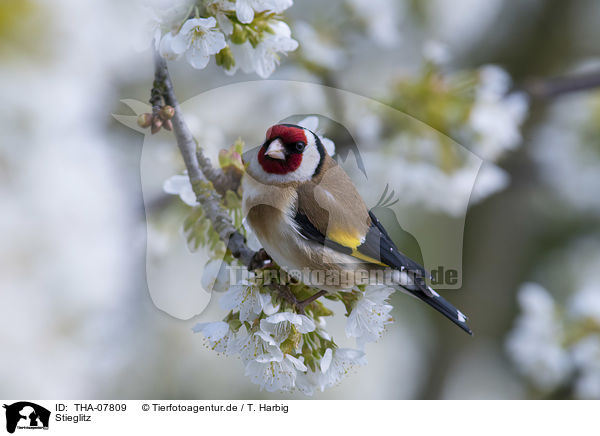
(308, 215)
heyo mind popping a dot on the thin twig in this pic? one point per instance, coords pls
(199, 169)
(221, 180)
(205, 179)
(555, 87)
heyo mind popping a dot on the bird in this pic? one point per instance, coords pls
(309, 217)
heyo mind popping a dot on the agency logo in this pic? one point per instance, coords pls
(27, 416)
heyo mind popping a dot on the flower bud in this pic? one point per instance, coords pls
(166, 112)
(156, 125)
(225, 58)
(144, 120)
(239, 35)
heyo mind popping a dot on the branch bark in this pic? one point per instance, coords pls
(555, 87)
(202, 174)
(205, 179)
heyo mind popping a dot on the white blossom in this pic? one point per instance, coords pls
(253, 347)
(162, 17)
(333, 367)
(218, 9)
(370, 315)
(165, 47)
(307, 382)
(336, 364)
(275, 375)
(266, 55)
(244, 9)
(215, 277)
(244, 58)
(245, 299)
(198, 39)
(264, 58)
(181, 185)
(219, 335)
(276, 328)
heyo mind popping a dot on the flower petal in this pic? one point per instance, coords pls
(326, 360)
(244, 11)
(197, 58)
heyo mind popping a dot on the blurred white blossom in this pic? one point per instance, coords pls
(478, 121)
(69, 237)
(436, 52)
(496, 116)
(318, 49)
(380, 18)
(535, 344)
(557, 343)
(586, 358)
(565, 150)
(161, 17)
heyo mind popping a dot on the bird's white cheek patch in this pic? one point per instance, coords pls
(310, 161)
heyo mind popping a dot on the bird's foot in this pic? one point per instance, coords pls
(289, 296)
(260, 260)
(301, 305)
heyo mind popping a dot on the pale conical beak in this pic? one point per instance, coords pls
(276, 150)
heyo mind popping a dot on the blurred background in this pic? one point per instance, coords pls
(78, 187)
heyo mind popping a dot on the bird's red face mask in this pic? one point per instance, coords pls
(282, 151)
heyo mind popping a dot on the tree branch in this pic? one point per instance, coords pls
(204, 178)
(221, 180)
(555, 87)
(200, 172)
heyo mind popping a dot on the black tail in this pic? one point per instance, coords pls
(445, 308)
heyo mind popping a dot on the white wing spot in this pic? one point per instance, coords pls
(433, 292)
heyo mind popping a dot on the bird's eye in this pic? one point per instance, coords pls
(299, 146)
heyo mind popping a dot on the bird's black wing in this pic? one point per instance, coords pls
(378, 248)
